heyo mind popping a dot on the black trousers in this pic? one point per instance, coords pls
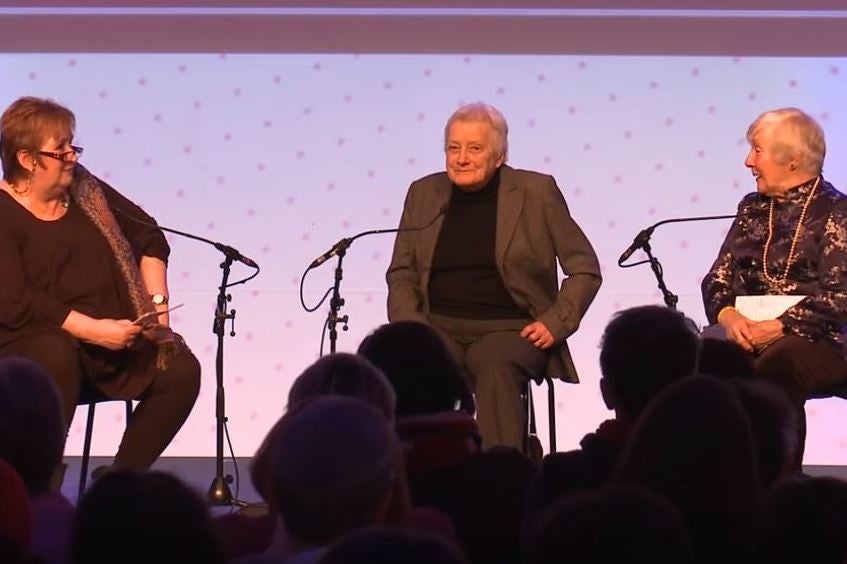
(496, 361)
(164, 406)
(802, 369)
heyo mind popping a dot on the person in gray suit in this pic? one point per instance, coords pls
(476, 258)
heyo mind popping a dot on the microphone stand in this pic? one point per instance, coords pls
(670, 298)
(219, 491)
(336, 301)
(642, 241)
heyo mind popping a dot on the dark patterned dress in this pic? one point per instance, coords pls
(818, 269)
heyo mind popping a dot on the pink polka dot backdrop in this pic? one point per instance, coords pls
(282, 155)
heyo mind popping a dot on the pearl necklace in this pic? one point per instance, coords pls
(790, 260)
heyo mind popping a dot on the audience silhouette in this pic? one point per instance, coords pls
(377, 459)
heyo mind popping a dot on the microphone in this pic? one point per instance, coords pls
(343, 244)
(642, 240)
(230, 252)
(233, 253)
(637, 243)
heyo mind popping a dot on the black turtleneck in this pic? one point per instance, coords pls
(465, 282)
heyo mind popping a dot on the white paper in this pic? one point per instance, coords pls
(152, 317)
(762, 308)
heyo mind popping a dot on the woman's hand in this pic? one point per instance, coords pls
(765, 332)
(114, 334)
(739, 329)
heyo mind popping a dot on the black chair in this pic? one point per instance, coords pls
(532, 446)
(90, 397)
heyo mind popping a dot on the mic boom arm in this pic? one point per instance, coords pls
(341, 246)
(230, 252)
(642, 241)
(643, 237)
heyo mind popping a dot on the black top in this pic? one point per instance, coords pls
(51, 267)
(465, 282)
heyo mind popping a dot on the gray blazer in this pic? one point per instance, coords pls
(534, 230)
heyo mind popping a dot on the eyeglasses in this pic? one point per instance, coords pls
(75, 152)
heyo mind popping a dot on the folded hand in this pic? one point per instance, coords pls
(538, 334)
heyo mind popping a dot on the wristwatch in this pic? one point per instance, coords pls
(159, 299)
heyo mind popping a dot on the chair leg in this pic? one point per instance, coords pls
(533, 429)
(532, 445)
(525, 422)
(86, 451)
(551, 412)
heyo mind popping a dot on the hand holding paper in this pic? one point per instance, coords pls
(761, 308)
(753, 324)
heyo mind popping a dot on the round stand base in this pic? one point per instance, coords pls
(219, 492)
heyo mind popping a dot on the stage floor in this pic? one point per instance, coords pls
(198, 473)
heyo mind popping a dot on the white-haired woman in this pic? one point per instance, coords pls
(789, 239)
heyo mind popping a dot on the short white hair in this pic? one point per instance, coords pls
(480, 111)
(799, 135)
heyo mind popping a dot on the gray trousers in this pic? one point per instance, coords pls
(497, 361)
